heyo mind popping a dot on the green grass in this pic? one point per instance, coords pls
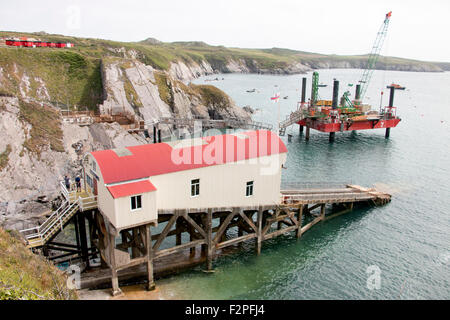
(4, 157)
(73, 76)
(164, 88)
(45, 128)
(70, 77)
(212, 96)
(26, 276)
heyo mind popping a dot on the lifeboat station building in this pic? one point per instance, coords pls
(182, 183)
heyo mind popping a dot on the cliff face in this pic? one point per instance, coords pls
(37, 151)
(37, 148)
(139, 89)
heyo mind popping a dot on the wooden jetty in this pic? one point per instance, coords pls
(209, 230)
(135, 198)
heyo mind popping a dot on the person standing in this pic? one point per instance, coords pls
(78, 183)
(67, 182)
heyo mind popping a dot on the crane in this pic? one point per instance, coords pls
(373, 56)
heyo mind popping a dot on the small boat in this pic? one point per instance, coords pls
(285, 97)
(253, 90)
(322, 85)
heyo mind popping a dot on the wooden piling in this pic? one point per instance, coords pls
(209, 242)
(299, 219)
(259, 230)
(148, 243)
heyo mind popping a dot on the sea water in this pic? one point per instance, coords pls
(405, 243)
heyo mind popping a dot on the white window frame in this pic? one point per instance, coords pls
(131, 202)
(252, 185)
(195, 184)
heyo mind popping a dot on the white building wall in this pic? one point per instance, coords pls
(222, 185)
(126, 217)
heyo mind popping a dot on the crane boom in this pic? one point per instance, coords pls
(374, 54)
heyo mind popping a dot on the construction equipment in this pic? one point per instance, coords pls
(374, 55)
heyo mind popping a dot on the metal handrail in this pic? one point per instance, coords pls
(328, 196)
(314, 185)
(59, 216)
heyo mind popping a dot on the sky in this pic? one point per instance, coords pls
(418, 28)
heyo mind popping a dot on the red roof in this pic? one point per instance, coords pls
(150, 160)
(128, 189)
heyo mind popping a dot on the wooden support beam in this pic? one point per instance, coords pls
(236, 240)
(77, 231)
(134, 243)
(322, 212)
(247, 219)
(300, 218)
(309, 225)
(178, 232)
(279, 232)
(165, 231)
(314, 207)
(259, 224)
(209, 243)
(191, 239)
(114, 278)
(165, 252)
(83, 238)
(224, 225)
(194, 224)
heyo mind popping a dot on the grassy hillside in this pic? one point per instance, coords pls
(159, 54)
(26, 276)
(73, 75)
(69, 76)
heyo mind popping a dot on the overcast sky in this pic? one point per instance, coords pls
(418, 29)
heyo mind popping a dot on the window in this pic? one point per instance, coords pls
(136, 202)
(249, 189)
(195, 187)
(89, 181)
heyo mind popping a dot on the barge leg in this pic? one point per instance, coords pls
(332, 135)
(388, 132)
(307, 134)
(300, 130)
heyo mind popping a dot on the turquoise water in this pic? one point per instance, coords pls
(407, 239)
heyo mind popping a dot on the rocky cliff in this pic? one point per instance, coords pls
(37, 148)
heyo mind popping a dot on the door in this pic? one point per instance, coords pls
(95, 186)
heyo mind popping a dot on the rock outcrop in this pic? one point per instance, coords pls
(37, 148)
(29, 177)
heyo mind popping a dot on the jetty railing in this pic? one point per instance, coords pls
(310, 185)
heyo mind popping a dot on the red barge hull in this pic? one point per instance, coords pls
(356, 125)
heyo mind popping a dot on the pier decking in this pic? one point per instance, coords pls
(210, 235)
(139, 253)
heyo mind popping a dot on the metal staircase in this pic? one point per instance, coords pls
(73, 203)
(38, 236)
(294, 117)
